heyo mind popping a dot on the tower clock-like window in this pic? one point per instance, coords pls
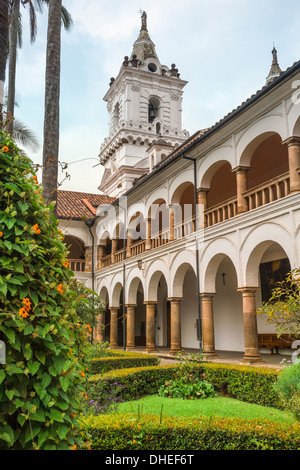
(153, 109)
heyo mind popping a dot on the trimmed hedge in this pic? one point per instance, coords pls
(151, 432)
(120, 360)
(251, 384)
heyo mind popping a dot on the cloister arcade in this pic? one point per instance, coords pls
(248, 217)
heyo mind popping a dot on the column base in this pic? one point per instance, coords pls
(210, 354)
(174, 352)
(130, 348)
(150, 350)
(252, 359)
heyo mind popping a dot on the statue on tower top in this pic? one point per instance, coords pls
(144, 20)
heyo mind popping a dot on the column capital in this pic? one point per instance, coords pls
(150, 302)
(131, 305)
(174, 299)
(209, 295)
(202, 190)
(113, 308)
(240, 169)
(247, 290)
(293, 140)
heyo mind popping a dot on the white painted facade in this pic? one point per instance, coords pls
(231, 245)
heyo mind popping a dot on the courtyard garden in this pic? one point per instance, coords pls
(59, 390)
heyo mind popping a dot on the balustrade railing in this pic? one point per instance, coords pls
(77, 264)
(264, 193)
(260, 195)
(220, 212)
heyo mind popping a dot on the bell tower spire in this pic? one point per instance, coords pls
(144, 102)
(275, 70)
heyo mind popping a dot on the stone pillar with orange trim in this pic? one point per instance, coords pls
(208, 324)
(114, 311)
(250, 325)
(150, 326)
(148, 245)
(114, 248)
(130, 324)
(175, 325)
(202, 206)
(241, 187)
(293, 145)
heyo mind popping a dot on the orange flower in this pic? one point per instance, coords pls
(66, 263)
(60, 289)
(36, 228)
(23, 313)
(89, 328)
(82, 374)
(26, 304)
(35, 179)
(5, 149)
(1, 234)
(74, 447)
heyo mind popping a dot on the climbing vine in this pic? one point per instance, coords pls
(42, 376)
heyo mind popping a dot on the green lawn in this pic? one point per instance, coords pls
(218, 406)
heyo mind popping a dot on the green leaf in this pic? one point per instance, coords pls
(9, 394)
(3, 289)
(7, 435)
(21, 418)
(2, 375)
(40, 355)
(62, 431)
(59, 363)
(33, 367)
(56, 415)
(46, 379)
(64, 381)
(10, 333)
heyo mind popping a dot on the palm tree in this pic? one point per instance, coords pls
(52, 100)
(15, 25)
(4, 6)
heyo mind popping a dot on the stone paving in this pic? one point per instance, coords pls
(276, 361)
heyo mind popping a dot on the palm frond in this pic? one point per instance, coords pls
(25, 136)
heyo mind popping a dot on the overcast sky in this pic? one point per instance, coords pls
(221, 47)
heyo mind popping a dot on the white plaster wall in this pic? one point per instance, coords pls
(228, 310)
(189, 312)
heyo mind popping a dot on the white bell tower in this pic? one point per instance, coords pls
(145, 106)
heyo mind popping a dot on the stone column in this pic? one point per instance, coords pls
(171, 224)
(130, 344)
(100, 255)
(114, 247)
(208, 325)
(241, 187)
(202, 206)
(114, 326)
(250, 325)
(129, 242)
(150, 326)
(175, 325)
(293, 145)
(100, 329)
(148, 245)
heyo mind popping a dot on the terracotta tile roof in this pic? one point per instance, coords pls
(76, 205)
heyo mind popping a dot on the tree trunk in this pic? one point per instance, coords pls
(12, 64)
(52, 95)
(3, 49)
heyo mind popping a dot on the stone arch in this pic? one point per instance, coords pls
(210, 261)
(156, 269)
(179, 269)
(255, 245)
(133, 280)
(115, 291)
(183, 178)
(212, 162)
(255, 134)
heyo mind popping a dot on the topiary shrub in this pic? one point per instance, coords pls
(41, 376)
(288, 388)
